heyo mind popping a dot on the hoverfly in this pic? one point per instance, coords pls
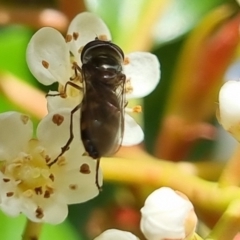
(102, 110)
(102, 107)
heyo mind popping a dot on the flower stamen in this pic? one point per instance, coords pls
(68, 38)
(6, 179)
(128, 87)
(73, 186)
(57, 119)
(9, 194)
(39, 213)
(45, 64)
(126, 61)
(75, 35)
(103, 37)
(51, 176)
(84, 168)
(24, 119)
(38, 190)
(136, 109)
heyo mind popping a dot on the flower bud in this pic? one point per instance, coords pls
(229, 108)
(168, 214)
(116, 234)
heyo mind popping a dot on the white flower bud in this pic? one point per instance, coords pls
(167, 215)
(229, 108)
(116, 234)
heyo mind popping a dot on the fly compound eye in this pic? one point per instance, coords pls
(97, 48)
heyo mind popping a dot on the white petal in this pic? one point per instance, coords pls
(11, 206)
(229, 107)
(88, 26)
(116, 234)
(164, 214)
(133, 134)
(143, 70)
(16, 130)
(49, 45)
(53, 137)
(57, 102)
(53, 210)
(77, 187)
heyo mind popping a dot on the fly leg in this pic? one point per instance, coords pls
(96, 177)
(67, 145)
(64, 92)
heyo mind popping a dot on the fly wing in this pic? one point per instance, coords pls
(102, 117)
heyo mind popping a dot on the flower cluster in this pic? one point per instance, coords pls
(40, 176)
(29, 184)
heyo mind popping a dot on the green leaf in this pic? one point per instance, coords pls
(13, 44)
(120, 16)
(12, 228)
(180, 17)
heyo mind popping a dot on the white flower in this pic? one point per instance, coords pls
(49, 61)
(116, 234)
(229, 108)
(167, 215)
(29, 184)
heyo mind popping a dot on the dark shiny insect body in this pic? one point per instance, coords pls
(102, 108)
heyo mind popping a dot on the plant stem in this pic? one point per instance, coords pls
(230, 175)
(228, 225)
(140, 38)
(138, 167)
(32, 231)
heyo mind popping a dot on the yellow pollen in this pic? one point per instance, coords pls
(126, 61)
(49, 188)
(28, 193)
(61, 161)
(30, 173)
(35, 173)
(103, 37)
(137, 109)
(80, 49)
(128, 86)
(24, 119)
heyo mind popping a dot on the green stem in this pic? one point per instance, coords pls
(228, 225)
(196, 237)
(230, 175)
(32, 231)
